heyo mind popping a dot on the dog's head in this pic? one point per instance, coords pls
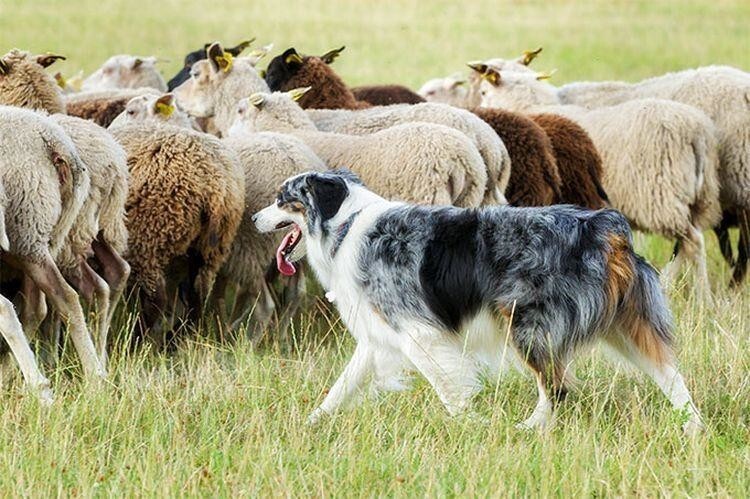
(307, 205)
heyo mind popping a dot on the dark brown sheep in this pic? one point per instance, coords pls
(291, 70)
(534, 179)
(578, 162)
(387, 95)
(101, 111)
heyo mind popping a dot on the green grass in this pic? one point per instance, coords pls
(224, 420)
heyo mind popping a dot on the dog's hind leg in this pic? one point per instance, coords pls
(440, 357)
(655, 359)
(349, 383)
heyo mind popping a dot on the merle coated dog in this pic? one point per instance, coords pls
(429, 287)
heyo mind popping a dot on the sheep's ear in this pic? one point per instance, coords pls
(297, 93)
(261, 52)
(490, 74)
(331, 55)
(291, 57)
(528, 56)
(60, 79)
(46, 60)
(546, 75)
(237, 50)
(258, 100)
(4, 68)
(164, 105)
(220, 60)
(457, 83)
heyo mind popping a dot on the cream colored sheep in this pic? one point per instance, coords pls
(660, 160)
(126, 71)
(216, 85)
(46, 184)
(154, 108)
(415, 162)
(488, 143)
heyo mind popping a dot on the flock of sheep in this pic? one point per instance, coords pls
(110, 183)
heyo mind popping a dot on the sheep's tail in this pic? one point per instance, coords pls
(497, 164)
(706, 211)
(112, 213)
(74, 188)
(468, 179)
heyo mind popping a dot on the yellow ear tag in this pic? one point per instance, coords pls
(492, 76)
(225, 61)
(294, 57)
(164, 109)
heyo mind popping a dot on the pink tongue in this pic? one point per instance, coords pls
(285, 267)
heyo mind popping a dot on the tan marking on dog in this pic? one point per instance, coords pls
(620, 271)
(646, 340)
(293, 207)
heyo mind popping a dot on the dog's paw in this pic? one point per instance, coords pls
(693, 427)
(315, 417)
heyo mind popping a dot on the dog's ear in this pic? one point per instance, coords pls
(328, 193)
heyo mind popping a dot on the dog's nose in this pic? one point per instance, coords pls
(255, 218)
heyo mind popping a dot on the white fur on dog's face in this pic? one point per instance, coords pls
(272, 218)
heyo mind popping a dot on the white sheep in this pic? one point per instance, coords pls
(723, 93)
(216, 85)
(46, 184)
(660, 160)
(126, 71)
(415, 162)
(366, 121)
(99, 229)
(12, 332)
(155, 108)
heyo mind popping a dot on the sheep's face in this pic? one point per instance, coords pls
(274, 112)
(282, 68)
(196, 95)
(125, 71)
(154, 109)
(450, 90)
(515, 91)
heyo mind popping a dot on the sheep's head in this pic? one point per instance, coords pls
(161, 109)
(520, 63)
(25, 83)
(200, 55)
(450, 90)
(216, 84)
(512, 90)
(268, 112)
(126, 71)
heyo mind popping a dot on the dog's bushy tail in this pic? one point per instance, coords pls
(645, 315)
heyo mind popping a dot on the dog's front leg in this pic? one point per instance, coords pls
(348, 384)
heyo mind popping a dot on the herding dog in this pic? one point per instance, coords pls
(425, 287)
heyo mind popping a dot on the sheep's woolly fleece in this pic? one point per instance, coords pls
(28, 85)
(104, 207)
(487, 142)
(186, 190)
(126, 71)
(386, 95)
(45, 182)
(418, 162)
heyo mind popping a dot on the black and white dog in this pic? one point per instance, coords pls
(427, 287)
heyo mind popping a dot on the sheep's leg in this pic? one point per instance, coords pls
(220, 299)
(743, 249)
(697, 253)
(725, 243)
(34, 305)
(671, 271)
(10, 328)
(115, 271)
(50, 349)
(153, 308)
(47, 277)
(95, 291)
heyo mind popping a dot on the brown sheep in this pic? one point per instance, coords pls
(186, 201)
(534, 178)
(386, 95)
(24, 83)
(291, 70)
(578, 162)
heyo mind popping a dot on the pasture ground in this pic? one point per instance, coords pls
(222, 419)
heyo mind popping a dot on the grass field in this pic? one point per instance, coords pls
(227, 421)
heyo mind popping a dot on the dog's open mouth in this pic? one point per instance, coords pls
(284, 251)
